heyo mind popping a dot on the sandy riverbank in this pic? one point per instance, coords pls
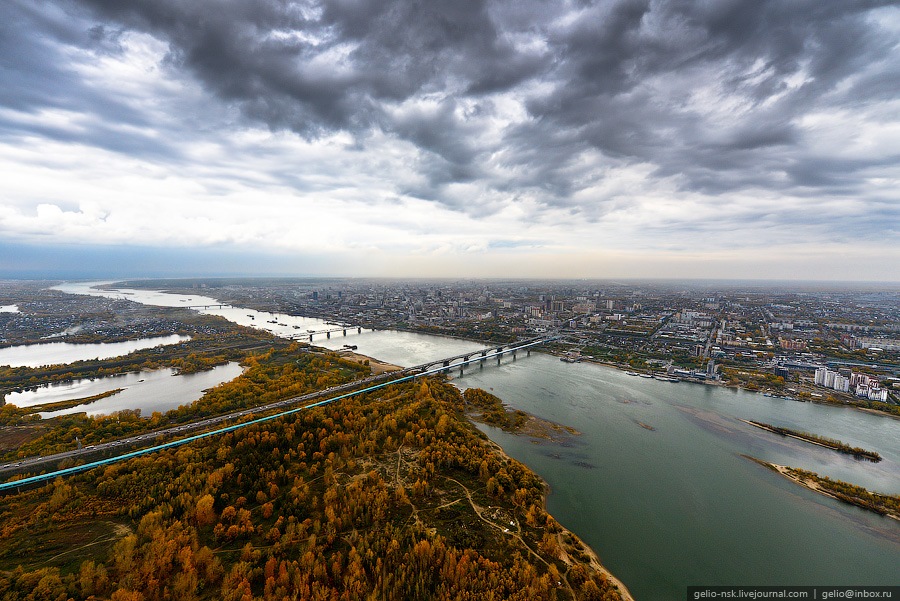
(813, 485)
(875, 412)
(539, 429)
(378, 366)
(596, 565)
(767, 429)
(485, 408)
(809, 438)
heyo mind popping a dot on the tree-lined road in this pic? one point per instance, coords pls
(349, 389)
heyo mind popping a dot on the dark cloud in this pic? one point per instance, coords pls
(35, 76)
(626, 71)
(709, 93)
(319, 67)
(339, 65)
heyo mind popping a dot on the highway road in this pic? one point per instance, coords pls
(28, 462)
(369, 384)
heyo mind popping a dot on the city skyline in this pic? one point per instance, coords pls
(462, 139)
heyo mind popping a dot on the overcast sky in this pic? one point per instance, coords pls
(672, 138)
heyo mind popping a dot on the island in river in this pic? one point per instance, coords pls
(886, 505)
(822, 441)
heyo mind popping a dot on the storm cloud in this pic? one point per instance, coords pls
(619, 112)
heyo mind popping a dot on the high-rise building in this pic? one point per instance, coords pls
(878, 394)
(841, 384)
(820, 376)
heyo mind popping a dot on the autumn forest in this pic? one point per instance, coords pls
(390, 495)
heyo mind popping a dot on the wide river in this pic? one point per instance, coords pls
(677, 505)
(148, 390)
(57, 353)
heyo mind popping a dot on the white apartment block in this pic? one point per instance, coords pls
(864, 386)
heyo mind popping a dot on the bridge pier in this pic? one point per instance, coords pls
(446, 366)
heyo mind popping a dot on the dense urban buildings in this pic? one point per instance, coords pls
(772, 337)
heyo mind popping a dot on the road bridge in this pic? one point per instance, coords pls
(210, 306)
(482, 355)
(328, 332)
(370, 383)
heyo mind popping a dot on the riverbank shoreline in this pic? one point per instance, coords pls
(638, 567)
(811, 483)
(873, 411)
(597, 565)
(377, 366)
(593, 559)
(627, 368)
(536, 428)
(836, 446)
(539, 429)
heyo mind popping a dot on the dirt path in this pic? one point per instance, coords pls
(398, 484)
(479, 510)
(119, 531)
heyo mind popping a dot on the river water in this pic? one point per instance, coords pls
(150, 390)
(677, 505)
(54, 353)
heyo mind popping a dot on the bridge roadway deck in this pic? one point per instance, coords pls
(209, 306)
(417, 371)
(310, 333)
(483, 353)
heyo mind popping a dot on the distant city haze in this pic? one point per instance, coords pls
(616, 139)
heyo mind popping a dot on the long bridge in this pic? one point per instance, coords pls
(328, 332)
(299, 336)
(207, 307)
(307, 335)
(370, 384)
(480, 356)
